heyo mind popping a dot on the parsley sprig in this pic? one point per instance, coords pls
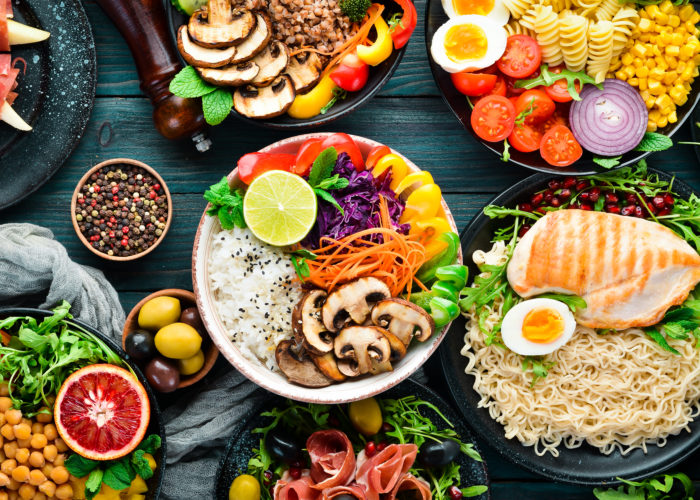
(226, 204)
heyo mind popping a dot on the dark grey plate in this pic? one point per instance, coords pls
(584, 465)
(55, 96)
(156, 425)
(238, 451)
(378, 76)
(695, 131)
(434, 18)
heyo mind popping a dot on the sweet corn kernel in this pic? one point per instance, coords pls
(672, 50)
(671, 61)
(663, 101)
(634, 82)
(664, 38)
(673, 117)
(643, 84)
(662, 122)
(694, 17)
(685, 12)
(642, 72)
(677, 39)
(656, 74)
(629, 71)
(627, 58)
(695, 71)
(687, 73)
(670, 77)
(651, 64)
(661, 18)
(646, 95)
(621, 75)
(645, 25)
(685, 52)
(656, 50)
(655, 87)
(614, 66)
(689, 26)
(681, 67)
(666, 111)
(666, 6)
(638, 62)
(653, 11)
(643, 14)
(674, 21)
(651, 127)
(654, 115)
(638, 50)
(649, 103)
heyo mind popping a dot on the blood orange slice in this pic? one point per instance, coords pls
(102, 412)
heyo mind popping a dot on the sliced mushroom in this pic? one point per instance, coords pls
(361, 350)
(202, 57)
(328, 366)
(404, 319)
(272, 61)
(353, 302)
(220, 24)
(398, 348)
(230, 76)
(265, 102)
(305, 71)
(307, 325)
(298, 367)
(255, 42)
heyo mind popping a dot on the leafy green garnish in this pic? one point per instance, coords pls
(338, 95)
(662, 487)
(320, 178)
(572, 301)
(607, 162)
(539, 368)
(299, 258)
(395, 20)
(520, 119)
(506, 151)
(653, 141)
(548, 78)
(216, 102)
(226, 204)
(680, 323)
(217, 106)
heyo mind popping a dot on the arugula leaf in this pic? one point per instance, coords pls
(574, 302)
(506, 151)
(539, 367)
(661, 487)
(548, 78)
(188, 84)
(474, 491)
(661, 340)
(299, 258)
(653, 141)
(227, 204)
(323, 166)
(520, 119)
(607, 162)
(217, 106)
(496, 212)
(338, 95)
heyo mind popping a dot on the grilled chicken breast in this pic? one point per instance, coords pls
(629, 271)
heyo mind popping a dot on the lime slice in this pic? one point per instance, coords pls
(280, 208)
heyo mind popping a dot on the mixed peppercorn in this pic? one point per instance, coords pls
(122, 210)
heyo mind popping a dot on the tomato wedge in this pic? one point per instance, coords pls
(473, 84)
(493, 118)
(525, 138)
(521, 58)
(542, 106)
(559, 147)
(375, 155)
(558, 90)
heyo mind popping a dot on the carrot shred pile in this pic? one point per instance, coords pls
(395, 260)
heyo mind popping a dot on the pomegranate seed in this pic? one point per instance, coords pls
(387, 427)
(611, 198)
(537, 198)
(548, 197)
(631, 198)
(295, 472)
(370, 448)
(569, 182)
(554, 184)
(585, 196)
(565, 194)
(574, 205)
(525, 207)
(595, 194)
(523, 230)
(651, 207)
(455, 493)
(541, 210)
(638, 211)
(658, 201)
(628, 210)
(581, 185)
(555, 202)
(586, 206)
(664, 211)
(381, 446)
(613, 209)
(668, 198)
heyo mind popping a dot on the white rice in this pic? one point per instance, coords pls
(255, 291)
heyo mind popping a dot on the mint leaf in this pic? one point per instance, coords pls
(335, 182)
(227, 205)
(607, 162)
(119, 475)
(151, 444)
(474, 491)
(325, 195)
(141, 465)
(653, 141)
(217, 106)
(80, 466)
(93, 484)
(323, 166)
(187, 83)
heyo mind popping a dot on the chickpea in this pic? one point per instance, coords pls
(36, 477)
(13, 416)
(48, 488)
(65, 491)
(61, 445)
(5, 404)
(44, 416)
(27, 421)
(4, 389)
(50, 452)
(26, 491)
(46, 469)
(4, 495)
(2, 456)
(50, 432)
(3, 420)
(7, 432)
(10, 449)
(39, 496)
(4, 479)
(23, 431)
(14, 485)
(59, 475)
(23, 443)
(22, 455)
(39, 441)
(21, 474)
(13, 495)
(8, 466)
(59, 460)
(37, 428)
(36, 459)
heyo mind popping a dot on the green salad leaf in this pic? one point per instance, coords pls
(575, 303)
(662, 487)
(226, 204)
(607, 162)
(538, 366)
(548, 78)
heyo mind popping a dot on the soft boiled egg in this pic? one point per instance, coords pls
(493, 9)
(537, 327)
(468, 43)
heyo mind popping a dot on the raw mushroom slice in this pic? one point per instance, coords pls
(305, 71)
(220, 24)
(328, 366)
(361, 350)
(255, 42)
(265, 102)
(272, 62)
(353, 302)
(202, 57)
(298, 367)
(230, 76)
(307, 325)
(398, 348)
(404, 319)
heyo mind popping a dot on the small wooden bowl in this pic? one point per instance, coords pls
(187, 299)
(84, 179)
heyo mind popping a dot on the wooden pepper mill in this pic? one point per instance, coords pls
(142, 23)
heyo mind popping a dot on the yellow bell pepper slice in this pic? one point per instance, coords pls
(381, 49)
(398, 167)
(310, 104)
(429, 230)
(422, 204)
(412, 182)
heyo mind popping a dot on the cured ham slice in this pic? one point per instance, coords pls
(5, 12)
(332, 458)
(354, 491)
(380, 473)
(409, 482)
(299, 489)
(629, 271)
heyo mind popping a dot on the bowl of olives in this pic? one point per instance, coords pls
(165, 336)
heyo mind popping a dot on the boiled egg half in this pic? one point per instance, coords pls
(468, 43)
(537, 327)
(493, 9)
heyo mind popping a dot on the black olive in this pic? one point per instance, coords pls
(139, 345)
(162, 375)
(435, 454)
(284, 447)
(190, 316)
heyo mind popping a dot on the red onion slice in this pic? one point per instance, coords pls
(610, 121)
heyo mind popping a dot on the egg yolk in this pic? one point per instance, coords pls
(479, 7)
(465, 41)
(543, 326)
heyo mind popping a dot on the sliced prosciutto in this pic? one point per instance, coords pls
(354, 491)
(381, 472)
(332, 458)
(8, 76)
(5, 12)
(299, 489)
(416, 485)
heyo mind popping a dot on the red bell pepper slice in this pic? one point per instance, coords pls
(307, 154)
(375, 155)
(252, 165)
(351, 74)
(401, 31)
(343, 143)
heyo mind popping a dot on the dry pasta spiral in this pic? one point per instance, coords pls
(600, 49)
(624, 22)
(546, 26)
(573, 40)
(518, 7)
(607, 9)
(515, 28)
(587, 6)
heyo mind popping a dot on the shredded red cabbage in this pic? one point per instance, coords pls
(360, 202)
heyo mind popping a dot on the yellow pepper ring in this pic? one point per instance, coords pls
(381, 49)
(309, 105)
(430, 229)
(398, 167)
(412, 182)
(422, 204)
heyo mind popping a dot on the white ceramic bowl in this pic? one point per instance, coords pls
(364, 387)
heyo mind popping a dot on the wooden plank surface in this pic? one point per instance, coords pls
(408, 115)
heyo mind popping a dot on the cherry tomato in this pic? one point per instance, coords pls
(559, 147)
(525, 138)
(542, 106)
(308, 152)
(375, 154)
(556, 119)
(521, 58)
(473, 84)
(558, 90)
(514, 100)
(493, 118)
(351, 74)
(343, 143)
(490, 70)
(253, 164)
(498, 89)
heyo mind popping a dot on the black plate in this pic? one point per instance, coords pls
(584, 465)
(238, 451)
(156, 424)
(434, 18)
(55, 96)
(378, 76)
(695, 131)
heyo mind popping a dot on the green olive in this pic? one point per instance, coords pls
(192, 365)
(366, 416)
(178, 341)
(244, 487)
(159, 312)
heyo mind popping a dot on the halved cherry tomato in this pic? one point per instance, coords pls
(559, 147)
(375, 154)
(521, 58)
(351, 74)
(525, 138)
(493, 118)
(498, 89)
(558, 90)
(514, 100)
(473, 84)
(252, 165)
(556, 119)
(542, 106)
(308, 152)
(343, 143)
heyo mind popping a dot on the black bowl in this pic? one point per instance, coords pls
(584, 465)
(378, 76)
(238, 451)
(436, 17)
(156, 424)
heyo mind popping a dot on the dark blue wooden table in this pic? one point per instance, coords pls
(408, 115)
